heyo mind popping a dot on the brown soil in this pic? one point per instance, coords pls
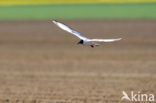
(39, 63)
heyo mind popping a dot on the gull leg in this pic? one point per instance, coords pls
(92, 46)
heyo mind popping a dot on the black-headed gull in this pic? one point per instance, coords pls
(83, 39)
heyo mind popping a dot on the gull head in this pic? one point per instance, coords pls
(80, 42)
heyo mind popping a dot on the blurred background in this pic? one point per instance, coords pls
(72, 9)
(39, 63)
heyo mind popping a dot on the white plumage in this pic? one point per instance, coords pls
(84, 40)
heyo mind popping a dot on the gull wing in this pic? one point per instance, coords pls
(68, 29)
(104, 40)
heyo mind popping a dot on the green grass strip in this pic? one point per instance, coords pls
(79, 11)
(42, 2)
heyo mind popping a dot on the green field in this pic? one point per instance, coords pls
(37, 2)
(79, 11)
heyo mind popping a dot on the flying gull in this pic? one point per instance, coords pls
(83, 40)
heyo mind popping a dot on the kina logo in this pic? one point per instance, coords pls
(137, 96)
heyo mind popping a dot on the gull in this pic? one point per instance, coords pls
(83, 40)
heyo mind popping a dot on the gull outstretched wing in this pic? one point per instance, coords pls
(104, 40)
(68, 29)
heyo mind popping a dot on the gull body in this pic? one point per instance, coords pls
(83, 40)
